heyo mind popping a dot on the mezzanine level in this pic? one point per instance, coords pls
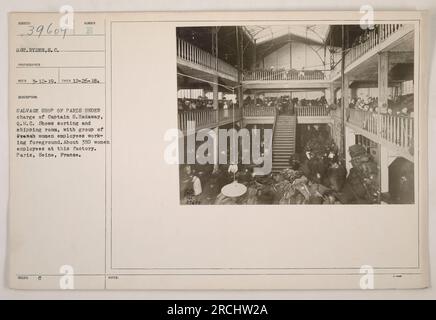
(393, 131)
(382, 38)
(210, 118)
(207, 118)
(197, 60)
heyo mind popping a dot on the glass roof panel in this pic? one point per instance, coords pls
(264, 33)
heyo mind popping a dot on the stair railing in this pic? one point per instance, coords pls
(274, 123)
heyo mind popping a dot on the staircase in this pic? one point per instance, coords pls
(283, 142)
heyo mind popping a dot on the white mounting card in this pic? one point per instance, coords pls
(110, 115)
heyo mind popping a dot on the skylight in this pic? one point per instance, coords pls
(265, 33)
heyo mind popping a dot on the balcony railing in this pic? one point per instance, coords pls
(363, 119)
(313, 111)
(271, 75)
(191, 53)
(259, 112)
(373, 38)
(398, 130)
(208, 118)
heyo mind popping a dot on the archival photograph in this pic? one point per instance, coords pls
(214, 151)
(296, 114)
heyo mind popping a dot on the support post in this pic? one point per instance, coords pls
(254, 57)
(215, 45)
(330, 94)
(215, 108)
(345, 105)
(215, 93)
(239, 52)
(343, 84)
(384, 168)
(350, 139)
(383, 86)
(346, 92)
(383, 94)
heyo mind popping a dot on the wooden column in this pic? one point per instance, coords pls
(254, 57)
(346, 92)
(383, 154)
(344, 84)
(383, 94)
(215, 93)
(350, 139)
(215, 89)
(383, 89)
(214, 33)
(330, 94)
(239, 53)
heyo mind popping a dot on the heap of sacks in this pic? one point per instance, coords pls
(317, 179)
(306, 182)
(362, 185)
(301, 185)
(294, 188)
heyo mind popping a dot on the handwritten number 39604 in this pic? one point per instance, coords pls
(46, 30)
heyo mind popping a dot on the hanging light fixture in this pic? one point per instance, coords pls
(234, 189)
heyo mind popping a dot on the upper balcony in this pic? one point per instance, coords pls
(285, 79)
(283, 74)
(381, 38)
(198, 60)
(382, 34)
